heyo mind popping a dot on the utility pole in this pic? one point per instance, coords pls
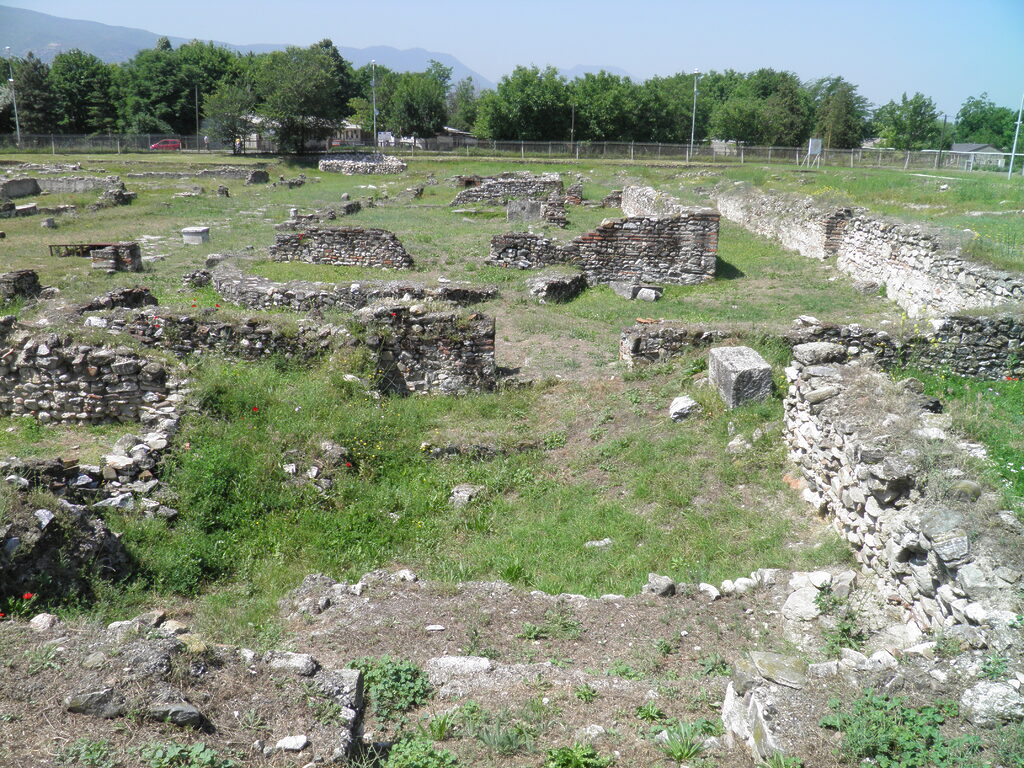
(693, 114)
(14, 95)
(942, 140)
(197, 117)
(373, 87)
(1016, 134)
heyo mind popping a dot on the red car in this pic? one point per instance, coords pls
(167, 144)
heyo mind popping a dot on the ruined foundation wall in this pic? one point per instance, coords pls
(979, 347)
(435, 352)
(922, 268)
(54, 379)
(946, 556)
(680, 250)
(343, 246)
(498, 191)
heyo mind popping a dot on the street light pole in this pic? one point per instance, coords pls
(1016, 134)
(373, 87)
(197, 118)
(14, 94)
(693, 114)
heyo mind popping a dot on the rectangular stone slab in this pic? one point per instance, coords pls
(739, 374)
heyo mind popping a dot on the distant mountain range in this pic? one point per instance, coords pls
(46, 36)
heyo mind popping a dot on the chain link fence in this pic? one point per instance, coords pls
(713, 152)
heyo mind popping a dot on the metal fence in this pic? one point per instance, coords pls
(707, 152)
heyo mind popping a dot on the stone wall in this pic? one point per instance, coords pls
(257, 292)
(983, 347)
(20, 284)
(343, 246)
(888, 477)
(250, 339)
(370, 163)
(430, 352)
(647, 201)
(74, 185)
(511, 186)
(23, 187)
(681, 250)
(54, 379)
(923, 268)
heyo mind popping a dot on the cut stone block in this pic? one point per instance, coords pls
(524, 210)
(195, 235)
(740, 374)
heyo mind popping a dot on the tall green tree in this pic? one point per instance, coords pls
(462, 105)
(605, 107)
(841, 115)
(910, 124)
(154, 92)
(230, 110)
(298, 89)
(417, 107)
(529, 104)
(36, 105)
(82, 87)
(980, 121)
(665, 106)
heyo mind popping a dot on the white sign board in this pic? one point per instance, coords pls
(814, 147)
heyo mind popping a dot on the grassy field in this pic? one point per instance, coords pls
(587, 453)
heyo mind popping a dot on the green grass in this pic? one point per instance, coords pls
(989, 412)
(245, 528)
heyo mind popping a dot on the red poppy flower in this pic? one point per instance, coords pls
(255, 409)
(348, 463)
(2, 614)
(27, 596)
(216, 305)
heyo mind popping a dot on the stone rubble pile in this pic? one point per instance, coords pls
(343, 246)
(369, 163)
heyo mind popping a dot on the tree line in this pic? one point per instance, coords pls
(302, 94)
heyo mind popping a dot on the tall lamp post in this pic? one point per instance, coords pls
(14, 94)
(373, 87)
(693, 114)
(1017, 133)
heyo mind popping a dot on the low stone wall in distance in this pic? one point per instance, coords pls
(255, 292)
(74, 185)
(896, 486)
(343, 246)
(982, 347)
(250, 339)
(923, 268)
(520, 185)
(420, 351)
(680, 250)
(369, 163)
(56, 380)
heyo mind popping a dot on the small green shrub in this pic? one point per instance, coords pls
(90, 753)
(713, 665)
(557, 624)
(623, 670)
(684, 741)
(576, 756)
(392, 685)
(651, 713)
(440, 727)
(995, 667)
(504, 739)
(418, 753)
(779, 760)
(585, 693)
(894, 735)
(175, 755)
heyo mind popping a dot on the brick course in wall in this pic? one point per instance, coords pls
(343, 246)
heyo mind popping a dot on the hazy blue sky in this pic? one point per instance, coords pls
(947, 50)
